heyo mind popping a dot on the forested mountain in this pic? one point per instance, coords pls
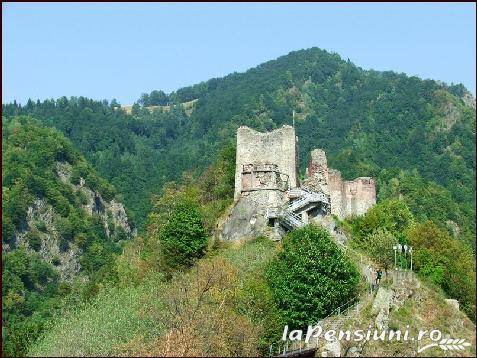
(416, 136)
(73, 279)
(62, 228)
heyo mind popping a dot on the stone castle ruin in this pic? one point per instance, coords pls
(269, 198)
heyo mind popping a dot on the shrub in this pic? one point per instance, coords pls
(34, 240)
(41, 226)
(65, 228)
(198, 315)
(120, 234)
(445, 261)
(56, 261)
(95, 257)
(82, 198)
(310, 277)
(183, 238)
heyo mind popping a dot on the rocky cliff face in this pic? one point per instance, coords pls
(41, 233)
(109, 210)
(247, 219)
(40, 224)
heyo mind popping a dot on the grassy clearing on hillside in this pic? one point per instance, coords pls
(111, 319)
(251, 255)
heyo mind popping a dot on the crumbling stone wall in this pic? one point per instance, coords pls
(263, 177)
(347, 198)
(317, 171)
(267, 166)
(277, 148)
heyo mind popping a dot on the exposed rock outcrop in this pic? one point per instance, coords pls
(95, 204)
(469, 100)
(248, 217)
(41, 214)
(40, 233)
(452, 302)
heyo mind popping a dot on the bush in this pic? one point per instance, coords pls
(445, 261)
(310, 277)
(198, 316)
(391, 215)
(34, 240)
(41, 226)
(81, 240)
(120, 234)
(96, 256)
(378, 246)
(82, 198)
(65, 229)
(183, 239)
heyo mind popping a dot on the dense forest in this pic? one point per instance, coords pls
(50, 243)
(415, 136)
(170, 159)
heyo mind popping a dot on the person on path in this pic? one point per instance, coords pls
(379, 275)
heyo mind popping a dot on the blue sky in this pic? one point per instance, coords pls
(107, 50)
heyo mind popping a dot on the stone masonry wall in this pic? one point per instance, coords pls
(347, 198)
(353, 197)
(277, 147)
(264, 163)
(317, 171)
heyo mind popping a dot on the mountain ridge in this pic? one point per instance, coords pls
(370, 123)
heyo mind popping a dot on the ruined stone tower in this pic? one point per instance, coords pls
(265, 161)
(270, 200)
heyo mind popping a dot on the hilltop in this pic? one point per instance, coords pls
(80, 175)
(417, 137)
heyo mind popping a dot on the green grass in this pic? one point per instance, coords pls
(251, 255)
(112, 319)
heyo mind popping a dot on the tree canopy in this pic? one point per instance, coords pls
(311, 277)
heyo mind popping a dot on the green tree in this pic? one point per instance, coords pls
(158, 98)
(310, 277)
(379, 246)
(183, 238)
(391, 215)
(445, 261)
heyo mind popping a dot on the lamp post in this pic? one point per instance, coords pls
(400, 258)
(395, 257)
(405, 256)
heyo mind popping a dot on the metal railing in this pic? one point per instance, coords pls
(285, 347)
(291, 220)
(289, 216)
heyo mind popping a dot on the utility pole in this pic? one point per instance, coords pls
(293, 119)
